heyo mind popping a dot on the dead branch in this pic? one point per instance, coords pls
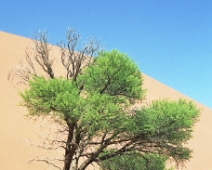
(42, 55)
(48, 161)
(37, 56)
(75, 58)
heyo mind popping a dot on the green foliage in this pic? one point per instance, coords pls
(101, 113)
(133, 162)
(115, 74)
(95, 109)
(169, 123)
(46, 95)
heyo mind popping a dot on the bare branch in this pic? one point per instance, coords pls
(21, 72)
(42, 55)
(49, 162)
(26, 68)
(75, 58)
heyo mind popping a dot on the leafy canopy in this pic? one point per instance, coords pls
(133, 162)
(95, 107)
(115, 74)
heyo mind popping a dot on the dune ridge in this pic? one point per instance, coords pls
(14, 128)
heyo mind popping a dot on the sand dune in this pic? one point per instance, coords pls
(14, 128)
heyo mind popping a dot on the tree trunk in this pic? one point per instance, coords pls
(72, 150)
(67, 162)
(74, 164)
(69, 152)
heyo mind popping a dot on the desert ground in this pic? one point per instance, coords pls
(16, 130)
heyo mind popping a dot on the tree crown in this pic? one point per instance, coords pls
(93, 102)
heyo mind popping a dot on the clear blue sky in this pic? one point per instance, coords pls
(170, 40)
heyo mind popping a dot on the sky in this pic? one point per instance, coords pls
(170, 40)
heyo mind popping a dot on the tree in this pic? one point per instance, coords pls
(94, 105)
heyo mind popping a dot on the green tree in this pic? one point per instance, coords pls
(93, 103)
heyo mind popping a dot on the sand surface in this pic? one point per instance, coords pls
(15, 130)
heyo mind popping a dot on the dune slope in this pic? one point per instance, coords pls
(15, 151)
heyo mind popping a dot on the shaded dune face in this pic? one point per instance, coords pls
(15, 130)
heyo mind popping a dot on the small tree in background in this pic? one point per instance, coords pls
(93, 103)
